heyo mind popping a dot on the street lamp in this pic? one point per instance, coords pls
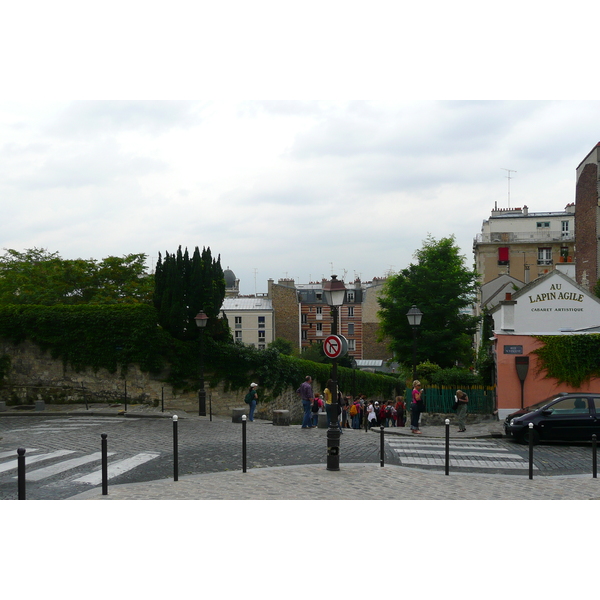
(414, 316)
(335, 294)
(201, 321)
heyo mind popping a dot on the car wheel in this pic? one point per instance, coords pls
(524, 437)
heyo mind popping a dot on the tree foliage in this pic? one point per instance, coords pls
(183, 287)
(37, 276)
(441, 287)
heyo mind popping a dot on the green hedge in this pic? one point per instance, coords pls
(114, 337)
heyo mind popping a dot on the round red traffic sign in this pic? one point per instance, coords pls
(333, 346)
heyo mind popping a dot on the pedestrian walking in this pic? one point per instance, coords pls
(355, 412)
(372, 414)
(251, 399)
(416, 406)
(306, 395)
(461, 409)
(400, 408)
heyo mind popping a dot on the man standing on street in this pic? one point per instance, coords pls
(306, 395)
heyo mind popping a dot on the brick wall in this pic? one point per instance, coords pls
(586, 240)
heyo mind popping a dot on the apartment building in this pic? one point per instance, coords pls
(525, 245)
(250, 320)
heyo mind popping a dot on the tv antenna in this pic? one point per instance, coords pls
(509, 178)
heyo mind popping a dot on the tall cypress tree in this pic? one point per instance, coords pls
(185, 286)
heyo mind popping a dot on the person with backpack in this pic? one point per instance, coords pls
(355, 413)
(251, 399)
(315, 409)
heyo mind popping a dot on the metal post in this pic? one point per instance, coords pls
(594, 457)
(85, 396)
(162, 399)
(21, 473)
(104, 464)
(447, 446)
(210, 406)
(175, 451)
(414, 372)
(125, 395)
(381, 448)
(243, 443)
(202, 390)
(333, 432)
(530, 450)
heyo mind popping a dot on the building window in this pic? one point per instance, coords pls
(319, 329)
(261, 336)
(304, 334)
(303, 318)
(544, 256)
(350, 328)
(261, 346)
(349, 296)
(319, 310)
(543, 224)
(238, 322)
(238, 336)
(261, 322)
(351, 345)
(503, 256)
(351, 311)
(565, 228)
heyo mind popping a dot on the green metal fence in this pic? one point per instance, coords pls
(441, 399)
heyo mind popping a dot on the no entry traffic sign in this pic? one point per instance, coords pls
(335, 346)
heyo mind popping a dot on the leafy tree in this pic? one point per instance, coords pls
(440, 286)
(183, 287)
(37, 276)
(283, 346)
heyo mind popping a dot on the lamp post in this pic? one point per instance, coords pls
(335, 294)
(201, 321)
(414, 316)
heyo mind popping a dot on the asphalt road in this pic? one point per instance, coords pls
(63, 452)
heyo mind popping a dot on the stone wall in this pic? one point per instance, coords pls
(35, 375)
(586, 240)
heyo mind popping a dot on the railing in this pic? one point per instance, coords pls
(524, 236)
(482, 400)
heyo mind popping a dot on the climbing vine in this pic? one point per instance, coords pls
(571, 359)
(114, 337)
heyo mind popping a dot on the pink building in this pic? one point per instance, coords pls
(551, 305)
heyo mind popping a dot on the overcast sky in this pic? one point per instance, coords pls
(299, 189)
(272, 179)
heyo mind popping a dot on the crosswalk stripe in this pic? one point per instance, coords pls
(501, 454)
(13, 453)
(33, 459)
(117, 468)
(61, 467)
(476, 464)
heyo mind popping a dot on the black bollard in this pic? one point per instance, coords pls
(243, 443)
(21, 473)
(210, 407)
(530, 450)
(381, 448)
(447, 446)
(162, 400)
(594, 458)
(175, 451)
(104, 464)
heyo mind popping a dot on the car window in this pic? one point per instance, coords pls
(570, 406)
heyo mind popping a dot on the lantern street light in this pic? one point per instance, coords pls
(414, 316)
(335, 294)
(201, 320)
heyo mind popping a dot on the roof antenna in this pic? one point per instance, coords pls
(509, 178)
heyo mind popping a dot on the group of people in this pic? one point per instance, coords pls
(353, 413)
